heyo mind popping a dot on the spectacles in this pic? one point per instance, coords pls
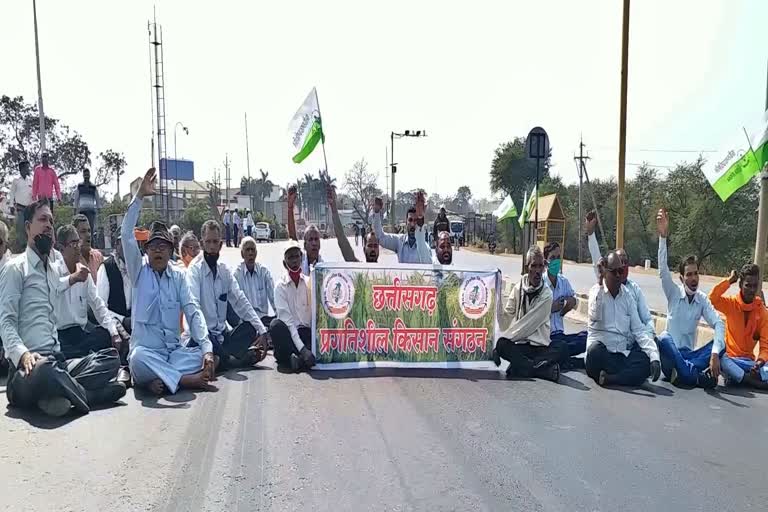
(156, 246)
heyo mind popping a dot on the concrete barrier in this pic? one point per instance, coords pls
(704, 333)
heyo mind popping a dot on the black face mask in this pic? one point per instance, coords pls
(43, 244)
(211, 259)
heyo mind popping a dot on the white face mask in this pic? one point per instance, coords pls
(688, 291)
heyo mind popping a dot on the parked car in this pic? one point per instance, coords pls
(262, 231)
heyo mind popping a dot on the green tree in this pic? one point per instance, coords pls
(195, 214)
(111, 166)
(512, 171)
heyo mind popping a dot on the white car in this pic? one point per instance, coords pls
(262, 231)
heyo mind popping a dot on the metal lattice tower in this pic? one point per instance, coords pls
(156, 44)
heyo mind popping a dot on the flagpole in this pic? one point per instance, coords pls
(322, 139)
(762, 215)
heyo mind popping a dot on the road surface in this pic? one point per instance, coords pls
(393, 441)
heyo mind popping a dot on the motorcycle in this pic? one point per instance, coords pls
(492, 247)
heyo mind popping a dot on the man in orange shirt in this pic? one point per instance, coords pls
(746, 321)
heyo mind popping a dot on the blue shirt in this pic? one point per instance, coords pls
(563, 289)
(683, 315)
(158, 298)
(419, 252)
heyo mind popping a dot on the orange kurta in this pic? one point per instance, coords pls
(740, 334)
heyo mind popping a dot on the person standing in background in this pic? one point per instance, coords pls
(236, 226)
(227, 220)
(45, 183)
(20, 198)
(87, 200)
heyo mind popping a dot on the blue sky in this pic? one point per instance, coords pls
(463, 72)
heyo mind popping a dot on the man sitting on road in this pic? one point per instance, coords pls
(39, 374)
(685, 306)
(746, 321)
(189, 248)
(72, 305)
(114, 286)
(411, 247)
(525, 343)
(620, 350)
(371, 243)
(212, 286)
(6, 255)
(634, 289)
(443, 249)
(157, 359)
(311, 255)
(291, 330)
(563, 301)
(90, 257)
(256, 282)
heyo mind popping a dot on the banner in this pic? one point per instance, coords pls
(425, 316)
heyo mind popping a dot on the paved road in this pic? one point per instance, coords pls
(393, 441)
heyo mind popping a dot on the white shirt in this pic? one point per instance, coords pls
(614, 322)
(249, 220)
(29, 290)
(634, 289)
(72, 305)
(21, 192)
(257, 286)
(529, 319)
(294, 306)
(683, 315)
(6, 257)
(236, 219)
(102, 286)
(213, 294)
(306, 268)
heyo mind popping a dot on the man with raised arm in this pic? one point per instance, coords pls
(157, 359)
(632, 287)
(311, 255)
(746, 324)
(686, 305)
(212, 285)
(39, 374)
(620, 350)
(370, 242)
(411, 247)
(525, 343)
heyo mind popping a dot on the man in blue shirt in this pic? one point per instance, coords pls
(685, 306)
(411, 247)
(563, 301)
(158, 360)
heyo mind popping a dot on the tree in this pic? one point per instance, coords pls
(462, 200)
(512, 171)
(360, 185)
(262, 188)
(112, 166)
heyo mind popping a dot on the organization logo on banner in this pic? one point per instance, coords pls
(338, 294)
(474, 297)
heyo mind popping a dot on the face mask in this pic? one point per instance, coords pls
(43, 244)
(295, 275)
(688, 291)
(554, 266)
(211, 259)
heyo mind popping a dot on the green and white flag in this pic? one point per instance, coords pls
(306, 128)
(521, 219)
(529, 205)
(730, 170)
(506, 210)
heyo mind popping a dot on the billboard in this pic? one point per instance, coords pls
(182, 170)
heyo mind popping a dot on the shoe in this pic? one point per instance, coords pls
(124, 376)
(57, 406)
(296, 363)
(496, 358)
(706, 380)
(549, 372)
(674, 377)
(603, 378)
(110, 393)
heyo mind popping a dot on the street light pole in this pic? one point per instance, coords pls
(392, 135)
(176, 161)
(39, 83)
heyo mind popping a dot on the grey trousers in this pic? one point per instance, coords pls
(60, 377)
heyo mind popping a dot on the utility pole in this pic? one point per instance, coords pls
(622, 126)
(226, 176)
(248, 163)
(580, 169)
(762, 216)
(39, 83)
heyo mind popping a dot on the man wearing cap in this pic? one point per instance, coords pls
(212, 285)
(291, 330)
(157, 359)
